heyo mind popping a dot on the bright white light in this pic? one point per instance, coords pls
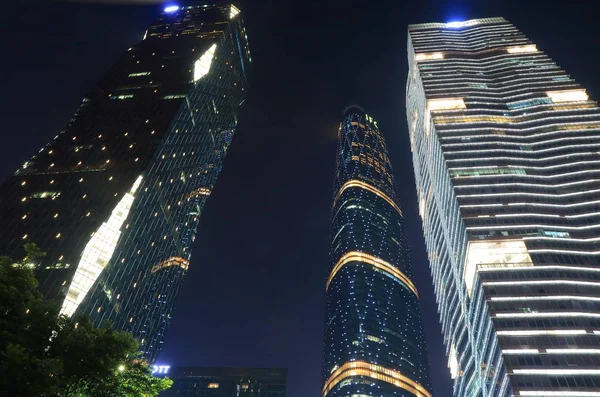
(535, 332)
(520, 351)
(559, 393)
(202, 65)
(441, 104)
(542, 282)
(494, 254)
(234, 11)
(121, 368)
(548, 314)
(97, 252)
(573, 351)
(557, 371)
(172, 9)
(551, 351)
(568, 96)
(544, 298)
(521, 49)
(462, 24)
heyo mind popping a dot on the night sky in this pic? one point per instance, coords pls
(254, 294)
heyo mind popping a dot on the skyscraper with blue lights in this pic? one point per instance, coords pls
(116, 197)
(505, 153)
(374, 343)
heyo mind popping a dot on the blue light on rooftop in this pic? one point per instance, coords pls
(171, 8)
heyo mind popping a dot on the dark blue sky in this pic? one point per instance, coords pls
(254, 292)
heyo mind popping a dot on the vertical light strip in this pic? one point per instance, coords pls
(97, 252)
(202, 65)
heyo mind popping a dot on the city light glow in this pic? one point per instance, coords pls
(520, 49)
(171, 8)
(429, 56)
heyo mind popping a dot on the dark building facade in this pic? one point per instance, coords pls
(225, 382)
(374, 343)
(116, 197)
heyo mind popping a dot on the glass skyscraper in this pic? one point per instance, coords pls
(374, 343)
(225, 382)
(506, 152)
(116, 197)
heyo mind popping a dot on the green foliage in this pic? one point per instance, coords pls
(47, 355)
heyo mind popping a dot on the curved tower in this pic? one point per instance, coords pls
(374, 343)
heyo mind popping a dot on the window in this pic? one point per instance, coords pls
(42, 195)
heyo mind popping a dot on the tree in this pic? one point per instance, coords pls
(47, 355)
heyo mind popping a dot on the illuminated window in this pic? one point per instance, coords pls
(445, 104)
(429, 56)
(528, 103)
(441, 104)
(520, 49)
(556, 234)
(234, 11)
(202, 65)
(213, 385)
(139, 74)
(568, 95)
(491, 254)
(128, 96)
(179, 96)
(42, 195)
(453, 362)
(486, 171)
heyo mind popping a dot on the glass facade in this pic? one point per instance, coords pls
(505, 152)
(374, 343)
(116, 197)
(226, 382)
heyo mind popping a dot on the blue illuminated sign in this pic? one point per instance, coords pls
(160, 369)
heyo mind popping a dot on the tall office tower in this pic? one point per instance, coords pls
(224, 382)
(506, 153)
(116, 197)
(374, 343)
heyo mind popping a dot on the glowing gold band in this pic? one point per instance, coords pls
(366, 186)
(361, 368)
(355, 256)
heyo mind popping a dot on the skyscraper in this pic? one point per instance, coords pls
(505, 150)
(116, 197)
(225, 382)
(374, 343)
